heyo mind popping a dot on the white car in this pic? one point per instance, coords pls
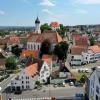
(71, 83)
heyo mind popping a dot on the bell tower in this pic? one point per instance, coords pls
(37, 26)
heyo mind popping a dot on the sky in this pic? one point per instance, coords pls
(67, 12)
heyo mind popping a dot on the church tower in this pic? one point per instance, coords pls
(37, 26)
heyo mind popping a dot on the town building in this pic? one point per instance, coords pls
(54, 25)
(94, 84)
(75, 57)
(26, 79)
(36, 38)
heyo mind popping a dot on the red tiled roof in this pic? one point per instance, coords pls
(54, 24)
(10, 40)
(95, 49)
(80, 40)
(77, 50)
(32, 69)
(97, 43)
(26, 53)
(53, 36)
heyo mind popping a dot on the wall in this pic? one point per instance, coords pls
(33, 46)
(93, 84)
(44, 73)
(76, 59)
(24, 80)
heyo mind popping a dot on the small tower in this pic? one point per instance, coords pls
(37, 26)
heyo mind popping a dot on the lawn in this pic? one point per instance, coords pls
(78, 75)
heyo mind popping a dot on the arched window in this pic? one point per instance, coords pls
(31, 47)
(34, 47)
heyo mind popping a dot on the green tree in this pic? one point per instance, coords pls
(44, 27)
(92, 41)
(38, 83)
(45, 47)
(83, 78)
(61, 50)
(11, 63)
(62, 30)
(16, 50)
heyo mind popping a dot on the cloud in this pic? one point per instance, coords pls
(47, 11)
(47, 3)
(81, 11)
(87, 1)
(2, 12)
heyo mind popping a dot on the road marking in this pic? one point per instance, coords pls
(47, 98)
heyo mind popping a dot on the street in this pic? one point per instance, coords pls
(4, 84)
(58, 92)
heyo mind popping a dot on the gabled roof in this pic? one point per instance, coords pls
(80, 40)
(53, 36)
(54, 24)
(48, 59)
(77, 50)
(95, 49)
(32, 69)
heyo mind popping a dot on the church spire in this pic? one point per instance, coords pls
(37, 26)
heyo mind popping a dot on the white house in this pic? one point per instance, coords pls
(92, 54)
(27, 78)
(75, 55)
(82, 55)
(87, 57)
(54, 25)
(94, 85)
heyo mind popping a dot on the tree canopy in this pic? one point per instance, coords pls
(61, 50)
(92, 41)
(62, 30)
(11, 63)
(45, 47)
(16, 50)
(44, 27)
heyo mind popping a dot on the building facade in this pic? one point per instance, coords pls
(94, 86)
(27, 78)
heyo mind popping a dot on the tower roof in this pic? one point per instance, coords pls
(37, 20)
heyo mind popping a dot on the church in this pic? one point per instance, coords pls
(36, 38)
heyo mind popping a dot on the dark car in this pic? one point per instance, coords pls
(77, 83)
(18, 92)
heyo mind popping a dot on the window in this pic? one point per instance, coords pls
(28, 86)
(31, 47)
(99, 80)
(22, 82)
(27, 77)
(22, 77)
(27, 82)
(97, 89)
(72, 57)
(97, 97)
(38, 47)
(34, 47)
(22, 87)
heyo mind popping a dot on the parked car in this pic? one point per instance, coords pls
(77, 83)
(79, 96)
(71, 83)
(55, 85)
(61, 85)
(18, 92)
